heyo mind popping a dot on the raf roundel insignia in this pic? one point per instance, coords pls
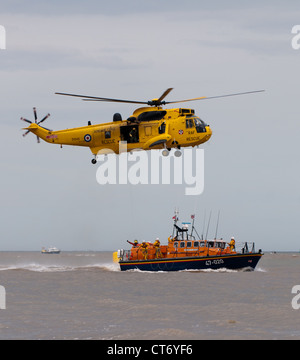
(87, 138)
(180, 132)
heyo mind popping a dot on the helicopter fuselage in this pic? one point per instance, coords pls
(148, 128)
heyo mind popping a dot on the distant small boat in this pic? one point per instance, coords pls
(51, 250)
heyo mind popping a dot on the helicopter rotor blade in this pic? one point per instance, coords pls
(27, 132)
(46, 128)
(35, 114)
(214, 97)
(29, 129)
(164, 94)
(96, 98)
(30, 122)
(154, 102)
(118, 101)
(44, 118)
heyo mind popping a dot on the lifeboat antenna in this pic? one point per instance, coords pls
(217, 225)
(193, 218)
(203, 225)
(193, 227)
(175, 218)
(208, 225)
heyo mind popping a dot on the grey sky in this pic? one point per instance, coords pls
(49, 196)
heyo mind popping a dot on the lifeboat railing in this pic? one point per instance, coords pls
(124, 255)
(245, 247)
(242, 247)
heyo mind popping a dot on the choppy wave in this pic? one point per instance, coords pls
(260, 269)
(221, 270)
(36, 267)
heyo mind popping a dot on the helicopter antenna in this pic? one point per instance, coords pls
(217, 225)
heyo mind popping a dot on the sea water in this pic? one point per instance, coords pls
(84, 295)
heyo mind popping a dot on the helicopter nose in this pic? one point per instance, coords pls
(208, 132)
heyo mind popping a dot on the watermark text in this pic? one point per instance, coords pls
(296, 299)
(296, 38)
(2, 298)
(152, 168)
(2, 38)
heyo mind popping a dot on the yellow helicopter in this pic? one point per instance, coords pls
(150, 127)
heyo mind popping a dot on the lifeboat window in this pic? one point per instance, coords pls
(211, 244)
(182, 244)
(107, 134)
(196, 243)
(202, 244)
(176, 244)
(189, 244)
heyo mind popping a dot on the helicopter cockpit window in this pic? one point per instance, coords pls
(200, 125)
(189, 123)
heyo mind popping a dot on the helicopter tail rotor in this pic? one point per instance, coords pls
(35, 122)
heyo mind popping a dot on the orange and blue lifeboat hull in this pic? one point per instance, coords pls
(228, 261)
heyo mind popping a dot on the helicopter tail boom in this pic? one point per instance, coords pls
(39, 131)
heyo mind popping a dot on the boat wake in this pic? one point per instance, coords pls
(109, 267)
(260, 269)
(221, 270)
(185, 271)
(36, 267)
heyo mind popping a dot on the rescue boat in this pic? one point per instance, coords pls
(185, 251)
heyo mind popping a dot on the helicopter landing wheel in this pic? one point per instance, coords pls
(165, 152)
(177, 153)
(94, 161)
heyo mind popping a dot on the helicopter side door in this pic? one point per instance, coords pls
(130, 134)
